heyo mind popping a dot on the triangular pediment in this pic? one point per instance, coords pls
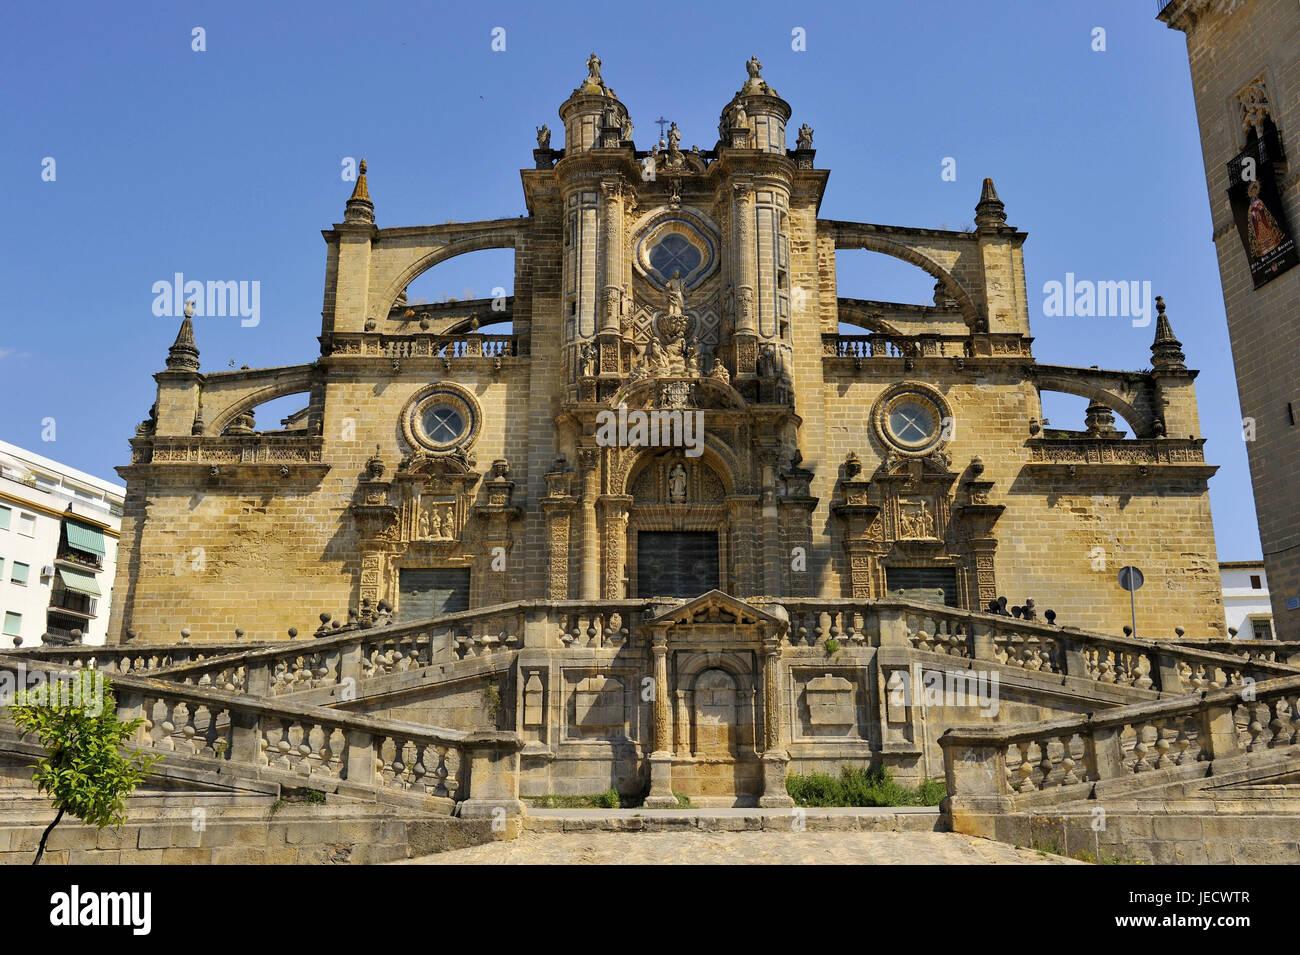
(716, 607)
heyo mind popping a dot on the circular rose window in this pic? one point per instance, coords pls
(911, 419)
(441, 419)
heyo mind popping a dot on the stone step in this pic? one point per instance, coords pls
(841, 819)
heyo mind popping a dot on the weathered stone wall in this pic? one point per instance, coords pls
(1230, 46)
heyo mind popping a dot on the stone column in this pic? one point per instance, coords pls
(589, 459)
(775, 759)
(771, 549)
(742, 234)
(661, 759)
(615, 515)
(611, 246)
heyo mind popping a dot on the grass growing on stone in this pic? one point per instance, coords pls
(861, 787)
(609, 799)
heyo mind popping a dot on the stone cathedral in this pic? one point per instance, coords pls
(847, 448)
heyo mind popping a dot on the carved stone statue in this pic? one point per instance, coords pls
(677, 484)
(674, 295)
(674, 146)
(805, 137)
(691, 354)
(1255, 108)
(422, 532)
(655, 356)
(544, 137)
(626, 131)
(593, 68)
(587, 360)
(719, 371)
(447, 524)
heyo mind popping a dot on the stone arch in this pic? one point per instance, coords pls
(875, 243)
(489, 237)
(1139, 421)
(219, 413)
(712, 457)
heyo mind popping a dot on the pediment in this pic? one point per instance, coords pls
(716, 607)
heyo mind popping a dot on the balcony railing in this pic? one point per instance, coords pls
(66, 600)
(81, 560)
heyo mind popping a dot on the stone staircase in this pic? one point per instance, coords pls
(1089, 720)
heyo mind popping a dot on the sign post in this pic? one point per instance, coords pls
(1130, 578)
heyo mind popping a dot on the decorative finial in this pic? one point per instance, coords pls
(1166, 350)
(184, 354)
(359, 207)
(990, 212)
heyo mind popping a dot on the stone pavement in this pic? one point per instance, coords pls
(770, 847)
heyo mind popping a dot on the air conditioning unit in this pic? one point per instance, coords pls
(47, 570)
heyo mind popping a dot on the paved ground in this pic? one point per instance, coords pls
(748, 848)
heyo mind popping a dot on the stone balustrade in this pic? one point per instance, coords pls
(878, 345)
(1000, 767)
(315, 743)
(447, 347)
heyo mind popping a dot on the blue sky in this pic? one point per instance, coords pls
(225, 164)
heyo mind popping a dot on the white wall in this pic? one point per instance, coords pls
(1241, 600)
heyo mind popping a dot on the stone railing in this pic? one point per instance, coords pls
(893, 346)
(350, 653)
(1132, 452)
(314, 743)
(425, 346)
(1272, 651)
(142, 658)
(1162, 666)
(353, 652)
(267, 450)
(999, 766)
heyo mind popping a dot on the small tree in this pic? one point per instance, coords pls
(86, 771)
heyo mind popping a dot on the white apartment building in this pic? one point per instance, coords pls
(59, 531)
(1245, 599)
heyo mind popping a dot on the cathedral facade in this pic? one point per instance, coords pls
(682, 404)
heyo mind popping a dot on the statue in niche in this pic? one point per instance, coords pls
(919, 522)
(675, 295)
(544, 137)
(446, 524)
(740, 119)
(1254, 106)
(767, 364)
(677, 484)
(805, 137)
(719, 371)
(422, 531)
(587, 360)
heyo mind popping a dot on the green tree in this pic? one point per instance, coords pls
(86, 771)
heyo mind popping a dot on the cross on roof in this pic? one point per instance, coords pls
(662, 123)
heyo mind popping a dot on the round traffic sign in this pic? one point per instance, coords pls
(1130, 578)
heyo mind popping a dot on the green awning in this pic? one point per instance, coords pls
(83, 537)
(79, 582)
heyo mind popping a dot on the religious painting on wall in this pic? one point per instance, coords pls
(1257, 209)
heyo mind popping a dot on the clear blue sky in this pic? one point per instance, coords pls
(225, 164)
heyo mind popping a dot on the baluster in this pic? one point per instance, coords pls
(1280, 734)
(1293, 702)
(1068, 777)
(1181, 742)
(1254, 727)
(1044, 762)
(1140, 748)
(1163, 732)
(1025, 770)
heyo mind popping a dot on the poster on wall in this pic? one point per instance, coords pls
(1261, 222)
